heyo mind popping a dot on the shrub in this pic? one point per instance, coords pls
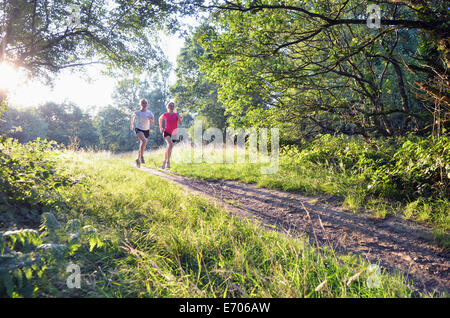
(420, 167)
(408, 167)
(29, 179)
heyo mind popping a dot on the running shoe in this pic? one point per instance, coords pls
(142, 160)
(138, 163)
(168, 165)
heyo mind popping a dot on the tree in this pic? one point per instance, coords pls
(45, 36)
(82, 127)
(129, 91)
(63, 123)
(38, 35)
(67, 121)
(193, 92)
(318, 62)
(113, 126)
(24, 125)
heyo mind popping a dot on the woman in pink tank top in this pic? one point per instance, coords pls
(172, 119)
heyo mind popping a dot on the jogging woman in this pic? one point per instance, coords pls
(142, 130)
(172, 120)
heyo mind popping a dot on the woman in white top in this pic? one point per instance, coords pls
(142, 130)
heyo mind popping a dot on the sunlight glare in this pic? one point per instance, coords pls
(10, 76)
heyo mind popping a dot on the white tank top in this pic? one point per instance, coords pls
(143, 119)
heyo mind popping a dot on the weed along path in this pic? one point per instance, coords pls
(393, 243)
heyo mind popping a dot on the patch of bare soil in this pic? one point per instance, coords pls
(397, 244)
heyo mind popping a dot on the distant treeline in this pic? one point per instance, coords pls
(108, 129)
(70, 126)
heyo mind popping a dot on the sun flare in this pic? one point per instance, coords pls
(10, 76)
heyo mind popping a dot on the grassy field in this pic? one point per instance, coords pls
(144, 237)
(313, 178)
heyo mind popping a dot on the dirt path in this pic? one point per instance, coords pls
(395, 243)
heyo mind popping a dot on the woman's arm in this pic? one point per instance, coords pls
(179, 119)
(152, 119)
(160, 123)
(132, 121)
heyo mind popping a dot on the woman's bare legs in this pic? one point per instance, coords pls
(142, 145)
(169, 148)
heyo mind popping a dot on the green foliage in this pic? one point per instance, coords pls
(341, 152)
(407, 167)
(193, 92)
(29, 183)
(28, 174)
(118, 34)
(113, 126)
(19, 263)
(420, 167)
(67, 121)
(23, 125)
(26, 255)
(313, 66)
(63, 123)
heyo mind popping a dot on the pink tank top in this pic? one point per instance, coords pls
(171, 122)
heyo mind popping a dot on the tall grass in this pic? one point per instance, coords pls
(365, 177)
(160, 241)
